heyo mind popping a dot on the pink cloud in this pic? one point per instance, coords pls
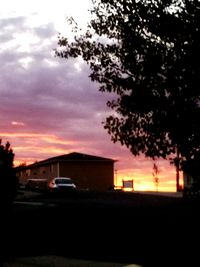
(52, 108)
(17, 123)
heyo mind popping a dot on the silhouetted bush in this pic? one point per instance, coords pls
(8, 179)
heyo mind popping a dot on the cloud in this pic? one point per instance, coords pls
(17, 123)
(47, 94)
(49, 106)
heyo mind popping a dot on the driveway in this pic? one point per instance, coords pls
(54, 261)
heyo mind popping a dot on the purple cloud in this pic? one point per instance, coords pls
(55, 106)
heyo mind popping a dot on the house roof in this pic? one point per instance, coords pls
(74, 156)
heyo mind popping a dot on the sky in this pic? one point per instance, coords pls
(48, 105)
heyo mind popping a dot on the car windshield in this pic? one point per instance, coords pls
(63, 181)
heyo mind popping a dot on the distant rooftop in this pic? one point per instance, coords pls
(77, 156)
(74, 156)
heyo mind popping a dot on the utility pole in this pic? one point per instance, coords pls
(115, 182)
(177, 164)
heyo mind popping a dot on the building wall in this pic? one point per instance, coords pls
(46, 171)
(95, 175)
(92, 175)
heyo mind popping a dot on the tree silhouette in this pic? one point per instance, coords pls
(155, 175)
(8, 179)
(146, 53)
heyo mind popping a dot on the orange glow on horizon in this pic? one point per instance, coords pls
(144, 181)
(31, 147)
(36, 146)
(50, 138)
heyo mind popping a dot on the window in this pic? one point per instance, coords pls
(28, 172)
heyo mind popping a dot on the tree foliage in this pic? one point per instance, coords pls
(8, 179)
(147, 53)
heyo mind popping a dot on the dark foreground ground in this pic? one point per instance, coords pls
(112, 226)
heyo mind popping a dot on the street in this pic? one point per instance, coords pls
(113, 227)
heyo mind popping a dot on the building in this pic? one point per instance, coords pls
(191, 186)
(88, 172)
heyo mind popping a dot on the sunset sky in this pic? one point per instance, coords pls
(49, 106)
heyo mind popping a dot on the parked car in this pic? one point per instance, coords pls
(61, 184)
(36, 184)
